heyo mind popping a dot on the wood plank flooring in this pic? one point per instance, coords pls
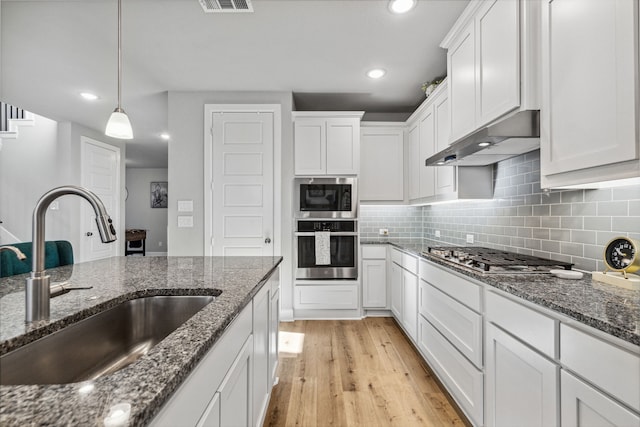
(355, 373)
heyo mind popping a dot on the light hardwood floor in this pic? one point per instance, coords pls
(355, 373)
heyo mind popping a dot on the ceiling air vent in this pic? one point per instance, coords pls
(226, 6)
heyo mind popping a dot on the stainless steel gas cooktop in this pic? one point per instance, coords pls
(488, 260)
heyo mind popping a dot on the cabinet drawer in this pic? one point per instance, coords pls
(529, 326)
(331, 297)
(462, 379)
(396, 256)
(453, 285)
(410, 263)
(459, 324)
(611, 368)
(374, 252)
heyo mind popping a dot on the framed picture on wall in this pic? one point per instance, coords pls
(159, 197)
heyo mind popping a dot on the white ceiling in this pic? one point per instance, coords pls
(318, 49)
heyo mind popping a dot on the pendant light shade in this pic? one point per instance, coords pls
(119, 125)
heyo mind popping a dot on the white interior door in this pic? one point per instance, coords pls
(242, 198)
(100, 168)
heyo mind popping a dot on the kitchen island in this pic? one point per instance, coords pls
(148, 383)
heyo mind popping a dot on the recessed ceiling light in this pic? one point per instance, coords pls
(165, 136)
(376, 73)
(89, 96)
(484, 144)
(401, 6)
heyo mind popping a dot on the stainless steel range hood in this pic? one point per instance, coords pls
(514, 135)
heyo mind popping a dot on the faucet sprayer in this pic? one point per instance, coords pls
(15, 250)
(37, 286)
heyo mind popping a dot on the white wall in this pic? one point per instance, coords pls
(139, 213)
(186, 171)
(43, 157)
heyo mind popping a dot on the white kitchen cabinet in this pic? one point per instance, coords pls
(410, 303)
(381, 163)
(464, 381)
(588, 137)
(413, 161)
(584, 406)
(445, 175)
(396, 290)
(260, 369)
(374, 276)
(326, 143)
(427, 175)
(226, 387)
(521, 384)
(492, 63)
(235, 390)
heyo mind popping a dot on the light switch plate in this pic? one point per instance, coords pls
(185, 221)
(185, 205)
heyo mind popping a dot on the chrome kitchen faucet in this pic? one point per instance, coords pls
(37, 288)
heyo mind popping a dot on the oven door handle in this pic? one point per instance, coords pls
(337, 233)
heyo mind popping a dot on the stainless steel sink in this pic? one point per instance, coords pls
(101, 344)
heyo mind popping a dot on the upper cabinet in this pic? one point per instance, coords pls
(326, 143)
(492, 62)
(381, 162)
(590, 118)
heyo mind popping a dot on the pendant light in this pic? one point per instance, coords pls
(118, 125)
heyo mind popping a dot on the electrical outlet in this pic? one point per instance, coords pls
(383, 232)
(469, 238)
(437, 233)
(159, 243)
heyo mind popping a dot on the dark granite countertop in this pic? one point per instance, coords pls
(149, 382)
(611, 309)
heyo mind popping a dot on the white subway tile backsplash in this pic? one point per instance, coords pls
(566, 225)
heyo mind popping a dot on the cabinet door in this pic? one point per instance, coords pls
(521, 384)
(261, 324)
(414, 163)
(211, 416)
(584, 406)
(235, 390)
(274, 320)
(498, 32)
(310, 147)
(445, 175)
(580, 130)
(461, 59)
(427, 149)
(343, 146)
(410, 303)
(396, 291)
(374, 284)
(381, 165)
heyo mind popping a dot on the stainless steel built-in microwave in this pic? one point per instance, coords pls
(325, 197)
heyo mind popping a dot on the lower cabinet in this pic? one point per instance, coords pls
(232, 383)
(521, 383)
(410, 303)
(396, 290)
(374, 277)
(235, 390)
(583, 406)
(463, 380)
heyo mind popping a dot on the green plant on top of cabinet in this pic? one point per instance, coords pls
(326, 143)
(492, 62)
(590, 116)
(381, 162)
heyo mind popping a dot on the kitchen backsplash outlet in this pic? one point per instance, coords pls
(567, 225)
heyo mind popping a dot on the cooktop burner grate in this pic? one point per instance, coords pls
(486, 258)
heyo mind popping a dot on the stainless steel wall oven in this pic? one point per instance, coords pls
(340, 260)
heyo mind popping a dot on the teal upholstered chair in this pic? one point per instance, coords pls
(56, 253)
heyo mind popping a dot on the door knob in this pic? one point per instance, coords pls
(267, 240)
(89, 234)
